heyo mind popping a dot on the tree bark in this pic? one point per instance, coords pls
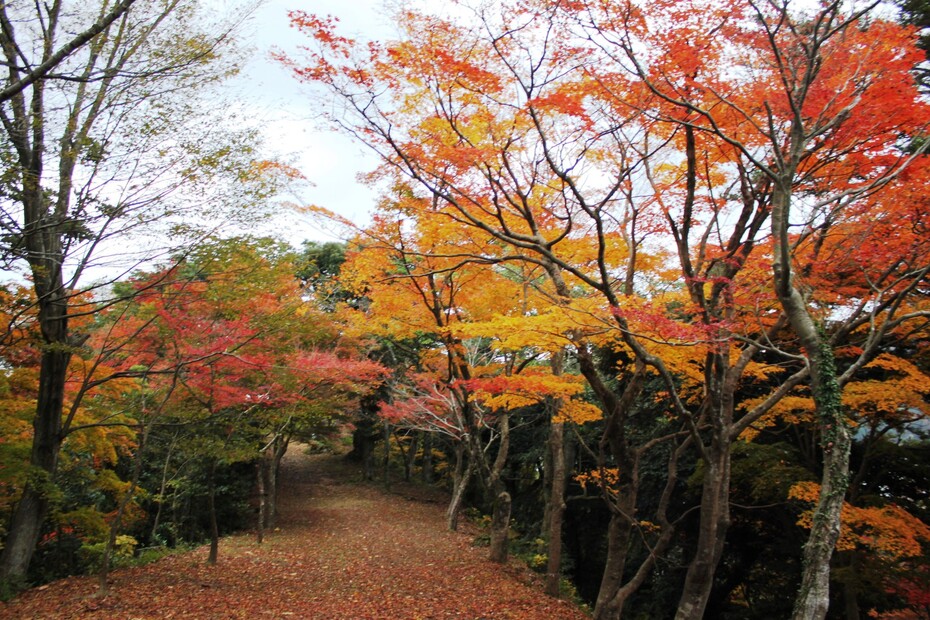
(813, 597)
(211, 506)
(500, 528)
(410, 456)
(386, 458)
(461, 476)
(162, 487)
(261, 474)
(426, 469)
(607, 607)
(556, 509)
(280, 449)
(33, 506)
(714, 522)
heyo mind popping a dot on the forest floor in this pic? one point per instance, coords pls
(344, 550)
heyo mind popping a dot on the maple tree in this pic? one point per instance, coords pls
(539, 128)
(221, 354)
(585, 262)
(803, 115)
(245, 357)
(410, 291)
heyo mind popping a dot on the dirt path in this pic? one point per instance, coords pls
(345, 551)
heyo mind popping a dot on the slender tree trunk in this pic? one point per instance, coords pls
(368, 461)
(261, 474)
(500, 518)
(410, 456)
(607, 607)
(280, 449)
(851, 593)
(460, 479)
(813, 597)
(162, 487)
(386, 459)
(117, 523)
(211, 506)
(426, 470)
(556, 508)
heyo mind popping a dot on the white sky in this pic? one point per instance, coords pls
(330, 161)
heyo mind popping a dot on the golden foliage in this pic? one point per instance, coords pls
(606, 479)
(577, 412)
(888, 530)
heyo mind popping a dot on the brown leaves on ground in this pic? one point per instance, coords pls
(344, 552)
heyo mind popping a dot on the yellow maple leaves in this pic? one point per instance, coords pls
(606, 478)
(577, 412)
(888, 530)
(892, 390)
(533, 387)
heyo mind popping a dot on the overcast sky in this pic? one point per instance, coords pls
(330, 161)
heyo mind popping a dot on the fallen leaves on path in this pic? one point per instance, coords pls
(345, 551)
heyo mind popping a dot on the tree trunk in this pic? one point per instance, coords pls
(386, 459)
(607, 607)
(211, 505)
(280, 449)
(162, 487)
(714, 522)
(363, 446)
(851, 595)
(410, 456)
(500, 528)
(813, 597)
(461, 476)
(260, 475)
(32, 508)
(555, 505)
(426, 470)
(117, 522)
(555, 509)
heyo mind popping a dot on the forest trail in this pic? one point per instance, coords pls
(345, 551)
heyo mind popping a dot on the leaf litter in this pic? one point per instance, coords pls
(344, 550)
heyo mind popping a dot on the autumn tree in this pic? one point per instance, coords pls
(104, 153)
(473, 152)
(243, 358)
(541, 126)
(413, 286)
(823, 124)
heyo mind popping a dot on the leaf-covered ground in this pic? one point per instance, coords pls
(345, 551)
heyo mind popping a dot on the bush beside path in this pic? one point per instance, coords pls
(344, 551)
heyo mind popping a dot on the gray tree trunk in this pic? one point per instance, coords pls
(500, 528)
(556, 509)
